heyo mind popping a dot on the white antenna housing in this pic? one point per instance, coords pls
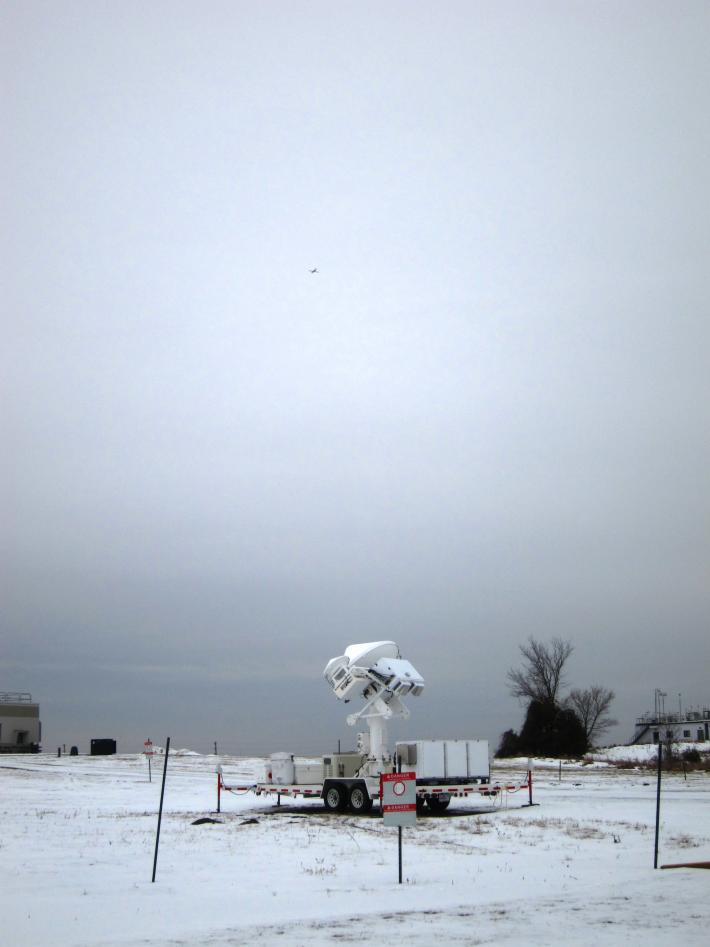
(376, 672)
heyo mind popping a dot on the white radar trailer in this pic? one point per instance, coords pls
(376, 673)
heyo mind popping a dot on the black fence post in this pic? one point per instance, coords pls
(160, 811)
(658, 803)
(399, 830)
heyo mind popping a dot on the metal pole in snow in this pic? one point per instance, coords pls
(658, 803)
(219, 787)
(160, 811)
(530, 778)
(399, 830)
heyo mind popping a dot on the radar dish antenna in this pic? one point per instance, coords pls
(376, 672)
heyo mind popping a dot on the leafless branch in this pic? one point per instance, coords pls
(542, 674)
(591, 706)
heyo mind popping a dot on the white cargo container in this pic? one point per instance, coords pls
(445, 761)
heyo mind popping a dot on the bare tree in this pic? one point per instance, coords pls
(541, 676)
(591, 706)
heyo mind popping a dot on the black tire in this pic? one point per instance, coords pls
(334, 798)
(360, 801)
(421, 803)
(437, 804)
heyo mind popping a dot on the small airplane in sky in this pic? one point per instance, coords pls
(314, 270)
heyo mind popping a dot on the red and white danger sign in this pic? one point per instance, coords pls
(148, 744)
(398, 792)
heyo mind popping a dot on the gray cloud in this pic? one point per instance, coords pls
(485, 417)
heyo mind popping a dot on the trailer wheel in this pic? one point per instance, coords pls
(421, 802)
(437, 804)
(334, 798)
(360, 801)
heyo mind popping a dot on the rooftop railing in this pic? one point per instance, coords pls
(688, 716)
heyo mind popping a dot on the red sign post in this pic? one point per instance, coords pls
(398, 798)
(148, 751)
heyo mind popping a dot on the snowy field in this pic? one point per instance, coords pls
(78, 834)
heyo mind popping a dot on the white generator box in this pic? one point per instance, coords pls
(342, 765)
(446, 760)
(308, 772)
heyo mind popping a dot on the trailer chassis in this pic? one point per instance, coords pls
(358, 794)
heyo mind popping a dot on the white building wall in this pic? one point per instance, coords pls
(693, 726)
(19, 725)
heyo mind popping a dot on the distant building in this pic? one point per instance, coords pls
(660, 727)
(103, 747)
(20, 727)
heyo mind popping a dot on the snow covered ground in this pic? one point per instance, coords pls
(78, 833)
(645, 752)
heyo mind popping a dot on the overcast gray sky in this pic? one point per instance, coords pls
(485, 417)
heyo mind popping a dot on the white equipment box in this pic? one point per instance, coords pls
(445, 760)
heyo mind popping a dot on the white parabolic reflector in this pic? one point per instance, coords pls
(372, 662)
